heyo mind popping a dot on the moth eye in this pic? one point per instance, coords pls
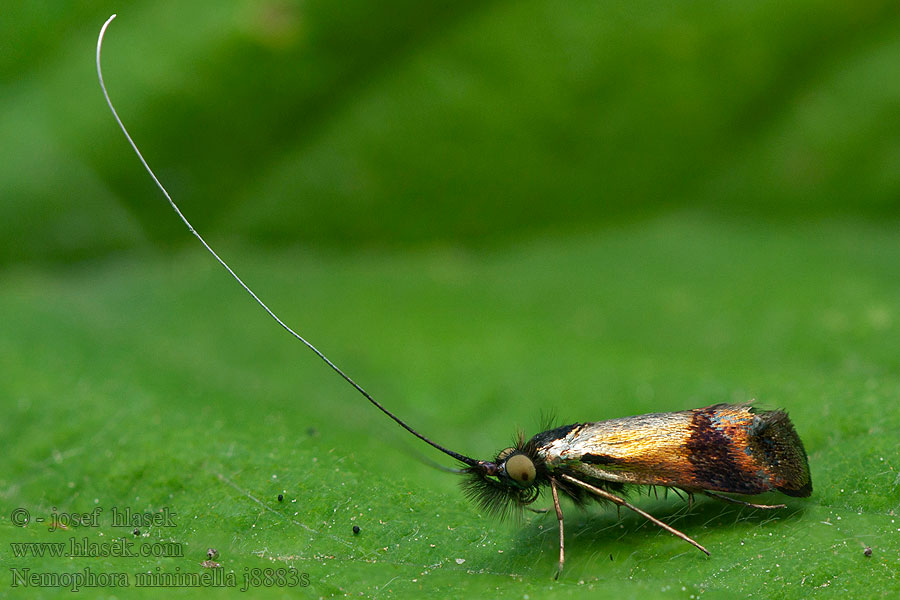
(520, 468)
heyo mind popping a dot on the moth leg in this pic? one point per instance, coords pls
(621, 502)
(736, 501)
(559, 515)
(688, 493)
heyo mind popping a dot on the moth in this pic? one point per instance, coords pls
(731, 448)
(718, 449)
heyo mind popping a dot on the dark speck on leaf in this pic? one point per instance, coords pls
(281, 497)
(356, 529)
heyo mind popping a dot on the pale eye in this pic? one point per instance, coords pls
(520, 468)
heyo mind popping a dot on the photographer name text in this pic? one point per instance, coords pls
(119, 517)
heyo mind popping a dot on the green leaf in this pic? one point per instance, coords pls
(152, 382)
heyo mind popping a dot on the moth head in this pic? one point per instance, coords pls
(509, 482)
(517, 467)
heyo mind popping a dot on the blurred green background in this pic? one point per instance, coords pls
(483, 211)
(358, 124)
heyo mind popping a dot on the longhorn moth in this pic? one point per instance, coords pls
(731, 448)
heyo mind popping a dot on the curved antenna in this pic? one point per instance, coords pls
(464, 459)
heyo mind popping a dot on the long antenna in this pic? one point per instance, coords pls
(465, 459)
